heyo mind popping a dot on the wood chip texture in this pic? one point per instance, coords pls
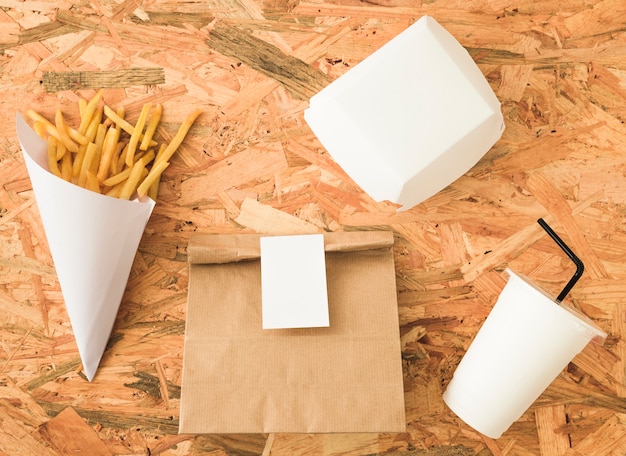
(251, 164)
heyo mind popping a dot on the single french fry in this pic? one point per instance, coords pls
(66, 167)
(162, 148)
(85, 166)
(82, 105)
(90, 109)
(78, 161)
(62, 130)
(77, 137)
(52, 156)
(137, 132)
(153, 176)
(40, 129)
(108, 150)
(178, 137)
(133, 180)
(100, 134)
(60, 150)
(114, 117)
(95, 162)
(153, 191)
(92, 129)
(92, 182)
(153, 123)
(121, 161)
(117, 178)
(120, 147)
(121, 123)
(98, 140)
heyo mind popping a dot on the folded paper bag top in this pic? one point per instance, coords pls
(409, 119)
(93, 240)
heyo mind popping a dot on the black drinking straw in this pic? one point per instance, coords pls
(580, 267)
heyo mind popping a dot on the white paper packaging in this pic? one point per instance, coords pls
(409, 119)
(526, 341)
(241, 378)
(93, 240)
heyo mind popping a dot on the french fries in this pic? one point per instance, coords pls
(107, 153)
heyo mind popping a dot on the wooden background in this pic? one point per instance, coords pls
(251, 164)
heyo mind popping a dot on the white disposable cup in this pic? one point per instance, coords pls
(523, 345)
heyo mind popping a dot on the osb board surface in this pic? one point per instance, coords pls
(251, 164)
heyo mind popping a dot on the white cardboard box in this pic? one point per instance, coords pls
(409, 119)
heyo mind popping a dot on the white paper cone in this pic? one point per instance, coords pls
(93, 240)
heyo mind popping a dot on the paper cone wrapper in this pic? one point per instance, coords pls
(93, 240)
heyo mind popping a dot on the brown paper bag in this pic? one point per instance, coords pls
(240, 378)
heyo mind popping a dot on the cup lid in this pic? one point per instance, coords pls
(579, 320)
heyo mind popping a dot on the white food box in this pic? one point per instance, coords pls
(409, 119)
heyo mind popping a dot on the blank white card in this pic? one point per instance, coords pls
(293, 282)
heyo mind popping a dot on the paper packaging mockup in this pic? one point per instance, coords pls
(293, 281)
(409, 119)
(524, 344)
(241, 378)
(93, 240)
